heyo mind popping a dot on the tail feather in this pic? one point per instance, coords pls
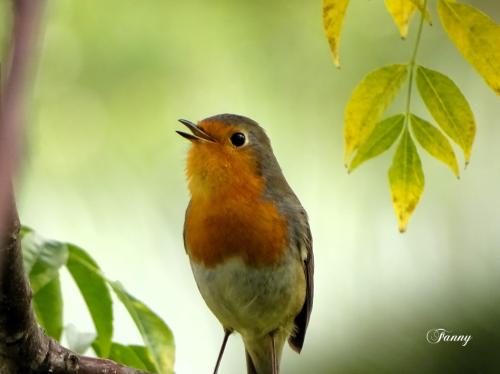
(258, 353)
(250, 366)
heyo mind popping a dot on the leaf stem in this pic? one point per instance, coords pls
(412, 62)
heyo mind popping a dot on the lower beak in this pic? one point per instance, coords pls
(197, 133)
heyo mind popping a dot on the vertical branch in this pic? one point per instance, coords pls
(24, 347)
(26, 14)
(17, 322)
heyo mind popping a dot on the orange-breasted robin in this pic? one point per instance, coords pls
(248, 239)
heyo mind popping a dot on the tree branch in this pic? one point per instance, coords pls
(24, 347)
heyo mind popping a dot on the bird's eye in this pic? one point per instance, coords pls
(238, 139)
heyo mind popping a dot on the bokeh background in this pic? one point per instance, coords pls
(103, 168)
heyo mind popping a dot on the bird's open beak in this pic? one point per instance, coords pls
(197, 133)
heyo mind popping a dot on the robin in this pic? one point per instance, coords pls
(248, 239)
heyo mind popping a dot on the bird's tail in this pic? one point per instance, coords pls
(250, 366)
(259, 354)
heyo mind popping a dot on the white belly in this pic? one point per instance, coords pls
(253, 301)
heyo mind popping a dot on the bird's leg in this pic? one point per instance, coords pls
(227, 332)
(274, 362)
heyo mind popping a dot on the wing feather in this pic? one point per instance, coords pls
(301, 321)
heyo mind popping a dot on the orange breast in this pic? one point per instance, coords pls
(227, 216)
(235, 226)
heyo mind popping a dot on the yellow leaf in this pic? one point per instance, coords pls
(434, 142)
(420, 6)
(380, 140)
(476, 36)
(448, 106)
(401, 12)
(367, 104)
(333, 17)
(406, 179)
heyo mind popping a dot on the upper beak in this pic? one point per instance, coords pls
(197, 133)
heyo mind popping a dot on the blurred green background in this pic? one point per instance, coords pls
(103, 168)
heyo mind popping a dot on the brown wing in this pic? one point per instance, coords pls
(301, 321)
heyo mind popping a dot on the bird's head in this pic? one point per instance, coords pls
(228, 154)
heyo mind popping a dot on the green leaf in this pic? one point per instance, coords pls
(448, 106)
(476, 36)
(78, 342)
(367, 104)
(30, 245)
(48, 306)
(156, 335)
(125, 355)
(406, 179)
(51, 257)
(145, 355)
(25, 230)
(42, 259)
(434, 142)
(333, 17)
(401, 12)
(380, 140)
(95, 292)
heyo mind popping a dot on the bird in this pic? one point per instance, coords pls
(248, 239)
